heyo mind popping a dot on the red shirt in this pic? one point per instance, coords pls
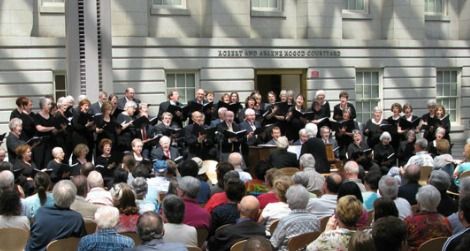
(215, 200)
(424, 226)
(267, 198)
(195, 215)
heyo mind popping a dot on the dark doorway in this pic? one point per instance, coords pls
(267, 83)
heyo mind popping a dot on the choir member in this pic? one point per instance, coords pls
(24, 112)
(393, 122)
(290, 98)
(295, 119)
(83, 127)
(374, 127)
(325, 135)
(58, 170)
(96, 107)
(220, 117)
(105, 163)
(198, 142)
(384, 154)
(145, 131)
(324, 111)
(173, 106)
(24, 168)
(408, 121)
(442, 120)
(105, 125)
(260, 107)
(342, 106)
(42, 153)
(137, 147)
(79, 158)
(14, 138)
(343, 132)
(126, 131)
(251, 126)
(440, 136)
(62, 122)
(269, 112)
(359, 151)
(129, 95)
(229, 144)
(275, 134)
(428, 124)
(237, 106)
(115, 111)
(164, 151)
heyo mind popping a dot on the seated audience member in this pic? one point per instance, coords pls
(10, 211)
(388, 188)
(361, 240)
(175, 229)
(276, 210)
(464, 166)
(150, 230)
(42, 197)
(227, 213)
(427, 223)
(371, 181)
(348, 212)
(270, 196)
(384, 207)
(408, 191)
(7, 181)
(194, 215)
(221, 169)
(124, 200)
(421, 157)
(326, 204)
(97, 194)
(140, 187)
(351, 188)
(257, 185)
(441, 180)
(58, 221)
(280, 157)
(351, 173)
(191, 168)
(220, 198)
(245, 227)
(106, 237)
(299, 220)
(464, 216)
(307, 167)
(236, 159)
(389, 234)
(454, 220)
(85, 208)
(257, 243)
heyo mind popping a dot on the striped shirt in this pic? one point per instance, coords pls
(296, 223)
(105, 240)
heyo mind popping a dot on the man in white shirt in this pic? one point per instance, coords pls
(422, 157)
(97, 194)
(236, 160)
(326, 204)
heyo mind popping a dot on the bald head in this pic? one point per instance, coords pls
(412, 173)
(249, 207)
(235, 159)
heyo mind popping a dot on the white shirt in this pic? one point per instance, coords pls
(323, 206)
(422, 158)
(274, 211)
(98, 195)
(404, 208)
(180, 233)
(244, 176)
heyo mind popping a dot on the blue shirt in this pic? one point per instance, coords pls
(105, 240)
(53, 223)
(159, 245)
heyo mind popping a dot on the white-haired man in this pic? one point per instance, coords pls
(97, 194)
(57, 222)
(316, 147)
(106, 237)
(165, 150)
(307, 167)
(236, 160)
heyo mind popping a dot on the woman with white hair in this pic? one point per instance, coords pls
(320, 98)
(427, 223)
(126, 132)
(14, 138)
(374, 127)
(384, 154)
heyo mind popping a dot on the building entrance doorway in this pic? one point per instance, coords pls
(277, 80)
